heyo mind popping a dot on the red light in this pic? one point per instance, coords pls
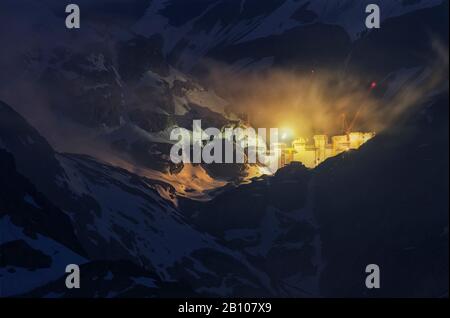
(373, 85)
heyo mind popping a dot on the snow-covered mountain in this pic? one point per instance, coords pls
(114, 214)
(109, 93)
(315, 231)
(85, 177)
(192, 30)
(37, 239)
(114, 88)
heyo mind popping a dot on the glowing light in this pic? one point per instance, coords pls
(373, 85)
(321, 148)
(286, 133)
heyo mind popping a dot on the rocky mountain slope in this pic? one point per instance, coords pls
(114, 214)
(85, 176)
(209, 27)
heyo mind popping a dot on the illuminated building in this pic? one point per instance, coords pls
(311, 154)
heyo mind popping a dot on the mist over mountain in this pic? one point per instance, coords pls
(86, 177)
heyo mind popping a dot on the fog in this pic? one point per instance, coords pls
(317, 101)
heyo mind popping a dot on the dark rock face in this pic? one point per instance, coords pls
(33, 155)
(140, 54)
(269, 222)
(244, 206)
(405, 40)
(84, 85)
(304, 15)
(29, 209)
(227, 275)
(18, 253)
(114, 279)
(388, 204)
(149, 121)
(327, 46)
